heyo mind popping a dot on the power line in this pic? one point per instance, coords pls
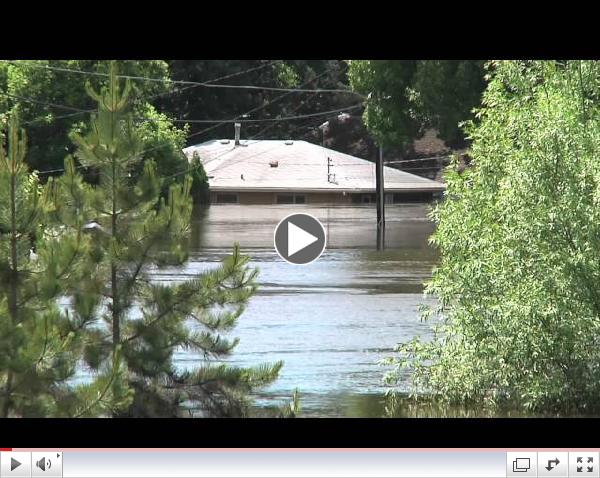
(266, 128)
(45, 103)
(417, 159)
(208, 121)
(369, 164)
(297, 164)
(301, 104)
(268, 103)
(253, 138)
(264, 120)
(82, 111)
(215, 80)
(336, 164)
(245, 160)
(53, 117)
(197, 133)
(196, 83)
(254, 110)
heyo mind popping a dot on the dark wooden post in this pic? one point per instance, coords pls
(380, 193)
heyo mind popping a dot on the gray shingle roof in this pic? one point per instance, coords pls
(301, 166)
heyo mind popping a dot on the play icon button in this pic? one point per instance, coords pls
(16, 464)
(299, 238)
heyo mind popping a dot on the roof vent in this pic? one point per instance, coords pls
(224, 141)
(289, 142)
(274, 164)
(238, 127)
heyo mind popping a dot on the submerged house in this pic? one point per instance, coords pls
(298, 172)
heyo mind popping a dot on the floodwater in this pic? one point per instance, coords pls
(331, 321)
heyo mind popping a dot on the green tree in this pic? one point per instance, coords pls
(519, 234)
(200, 190)
(40, 344)
(52, 99)
(135, 230)
(407, 96)
(164, 144)
(448, 91)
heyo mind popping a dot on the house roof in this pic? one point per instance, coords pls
(301, 166)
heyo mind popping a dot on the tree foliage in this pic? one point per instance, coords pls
(407, 96)
(40, 342)
(53, 103)
(135, 231)
(519, 234)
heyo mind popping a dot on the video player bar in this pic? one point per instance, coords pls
(298, 463)
(30, 464)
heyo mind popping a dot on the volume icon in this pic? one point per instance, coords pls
(43, 464)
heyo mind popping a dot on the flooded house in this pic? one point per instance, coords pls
(299, 172)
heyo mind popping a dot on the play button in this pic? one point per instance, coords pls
(15, 464)
(299, 238)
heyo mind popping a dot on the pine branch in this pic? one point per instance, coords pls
(154, 321)
(104, 392)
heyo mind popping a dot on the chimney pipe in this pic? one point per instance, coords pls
(238, 127)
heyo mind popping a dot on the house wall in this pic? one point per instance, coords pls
(271, 198)
(325, 198)
(256, 198)
(328, 198)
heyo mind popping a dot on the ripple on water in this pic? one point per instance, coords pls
(331, 321)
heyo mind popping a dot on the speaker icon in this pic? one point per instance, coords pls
(43, 464)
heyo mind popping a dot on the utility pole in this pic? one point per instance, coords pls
(380, 194)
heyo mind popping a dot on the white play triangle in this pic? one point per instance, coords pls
(298, 239)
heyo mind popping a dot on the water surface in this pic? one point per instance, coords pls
(331, 321)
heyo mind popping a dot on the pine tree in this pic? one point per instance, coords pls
(40, 344)
(134, 230)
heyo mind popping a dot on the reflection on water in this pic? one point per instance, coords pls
(331, 321)
(407, 226)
